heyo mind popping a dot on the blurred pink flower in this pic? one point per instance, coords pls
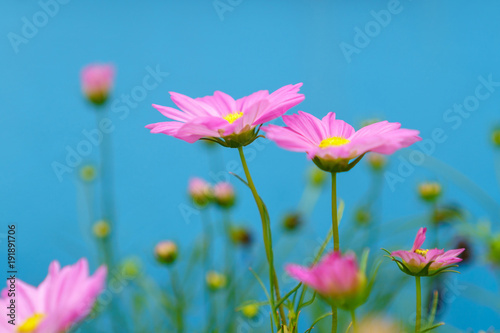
(224, 194)
(335, 277)
(221, 118)
(417, 259)
(200, 191)
(64, 298)
(331, 143)
(97, 81)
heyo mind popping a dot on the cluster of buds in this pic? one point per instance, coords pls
(202, 193)
(97, 81)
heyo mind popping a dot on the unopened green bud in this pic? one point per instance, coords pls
(88, 173)
(131, 267)
(292, 221)
(429, 191)
(362, 216)
(317, 177)
(495, 137)
(250, 311)
(215, 280)
(377, 161)
(241, 236)
(101, 229)
(166, 252)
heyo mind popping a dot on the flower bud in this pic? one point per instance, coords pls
(377, 161)
(347, 290)
(200, 191)
(495, 137)
(362, 216)
(224, 194)
(317, 177)
(250, 311)
(166, 252)
(241, 236)
(131, 268)
(97, 81)
(88, 173)
(494, 250)
(215, 280)
(101, 229)
(446, 213)
(292, 221)
(429, 191)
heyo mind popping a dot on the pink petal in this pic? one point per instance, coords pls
(419, 239)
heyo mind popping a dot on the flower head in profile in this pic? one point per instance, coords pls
(337, 278)
(331, 143)
(222, 119)
(200, 191)
(97, 81)
(63, 299)
(425, 262)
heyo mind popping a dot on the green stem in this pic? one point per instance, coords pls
(231, 292)
(179, 301)
(419, 305)
(207, 237)
(353, 316)
(335, 223)
(336, 244)
(266, 230)
(334, 319)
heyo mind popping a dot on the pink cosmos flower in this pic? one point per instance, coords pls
(331, 143)
(337, 278)
(423, 262)
(220, 118)
(200, 191)
(64, 298)
(224, 194)
(97, 81)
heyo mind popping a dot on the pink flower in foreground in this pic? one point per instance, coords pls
(64, 298)
(423, 262)
(220, 118)
(331, 143)
(97, 81)
(337, 278)
(200, 191)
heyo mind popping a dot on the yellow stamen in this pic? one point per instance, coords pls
(421, 252)
(231, 117)
(31, 323)
(334, 141)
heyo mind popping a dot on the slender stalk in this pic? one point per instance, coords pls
(335, 223)
(419, 304)
(353, 316)
(266, 230)
(230, 273)
(336, 244)
(179, 315)
(207, 237)
(334, 319)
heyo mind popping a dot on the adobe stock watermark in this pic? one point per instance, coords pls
(452, 117)
(223, 6)
(31, 25)
(363, 36)
(120, 106)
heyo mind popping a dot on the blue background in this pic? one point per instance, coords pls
(426, 59)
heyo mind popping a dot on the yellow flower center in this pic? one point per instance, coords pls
(31, 323)
(334, 141)
(231, 117)
(421, 252)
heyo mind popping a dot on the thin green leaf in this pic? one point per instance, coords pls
(317, 321)
(284, 298)
(431, 328)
